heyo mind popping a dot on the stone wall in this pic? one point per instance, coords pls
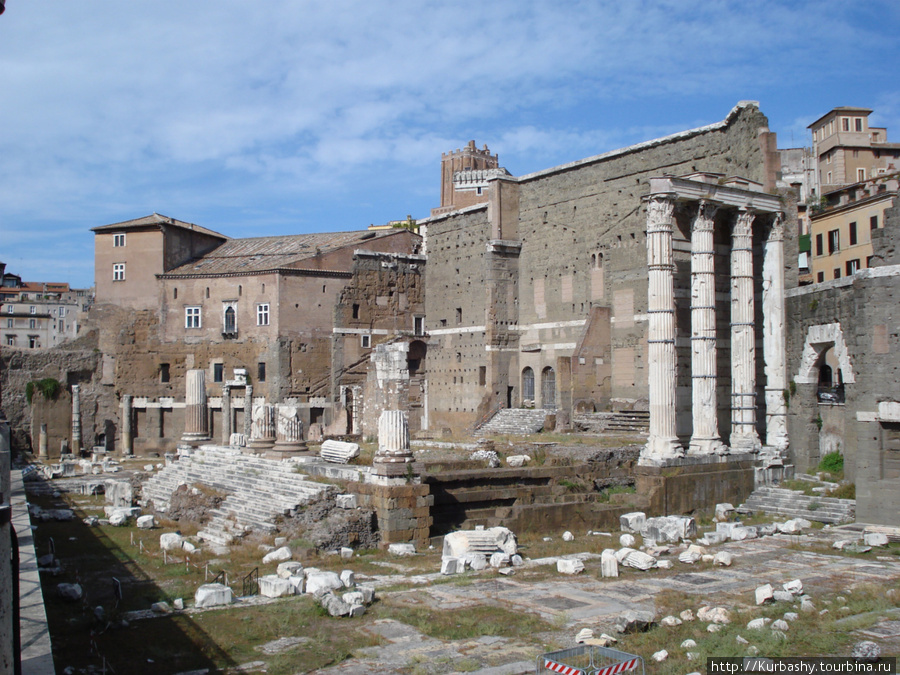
(78, 362)
(856, 318)
(573, 237)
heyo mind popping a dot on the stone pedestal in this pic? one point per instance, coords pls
(76, 419)
(196, 412)
(393, 460)
(288, 433)
(403, 511)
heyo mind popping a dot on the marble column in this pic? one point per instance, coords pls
(263, 430)
(662, 443)
(288, 431)
(227, 415)
(76, 419)
(705, 438)
(43, 446)
(248, 411)
(774, 336)
(744, 437)
(196, 417)
(126, 425)
(393, 453)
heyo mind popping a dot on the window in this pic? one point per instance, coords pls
(837, 272)
(834, 241)
(860, 174)
(62, 326)
(458, 316)
(261, 371)
(845, 123)
(820, 277)
(10, 340)
(174, 293)
(858, 122)
(365, 341)
(852, 266)
(164, 372)
(32, 310)
(262, 314)
(9, 309)
(119, 240)
(829, 178)
(192, 317)
(218, 372)
(482, 375)
(873, 224)
(419, 325)
(820, 248)
(355, 311)
(32, 323)
(33, 342)
(118, 271)
(853, 234)
(9, 323)
(230, 320)
(62, 311)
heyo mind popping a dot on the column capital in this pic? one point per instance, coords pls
(777, 231)
(743, 223)
(704, 220)
(660, 209)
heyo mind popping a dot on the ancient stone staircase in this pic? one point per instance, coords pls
(791, 504)
(514, 422)
(258, 490)
(621, 422)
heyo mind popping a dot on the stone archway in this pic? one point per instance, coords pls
(548, 389)
(527, 384)
(819, 339)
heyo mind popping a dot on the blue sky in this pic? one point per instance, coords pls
(287, 116)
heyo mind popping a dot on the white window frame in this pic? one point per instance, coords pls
(365, 341)
(32, 310)
(418, 325)
(262, 314)
(193, 317)
(10, 340)
(10, 323)
(119, 240)
(118, 271)
(860, 175)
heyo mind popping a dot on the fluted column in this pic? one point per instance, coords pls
(288, 431)
(43, 446)
(774, 336)
(744, 437)
(126, 425)
(76, 419)
(196, 416)
(263, 429)
(705, 439)
(227, 418)
(393, 445)
(662, 443)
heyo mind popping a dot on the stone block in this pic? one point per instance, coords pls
(147, 522)
(499, 559)
(353, 598)
(338, 452)
(764, 594)
(119, 493)
(609, 564)
(875, 539)
(322, 582)
(213, 595)
(273, 586)
(569, 566)
(278, 555)
(348, 578)
(724, 511)
(334, 605)
(632, 522)
(450, 566)
(347, 501)
(627, 540)
(170, 541)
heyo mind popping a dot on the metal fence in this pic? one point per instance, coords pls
(588, 660)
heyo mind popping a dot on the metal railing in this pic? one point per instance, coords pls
(250, 584)
(488, 416)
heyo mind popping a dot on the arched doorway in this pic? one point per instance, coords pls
(548, 389)
(527, 385)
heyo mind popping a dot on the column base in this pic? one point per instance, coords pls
(745, 443)
(261, 444)
(660, 450)
(707, 446)
(285, 450)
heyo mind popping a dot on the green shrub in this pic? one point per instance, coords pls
(833, 462)
(48, 387)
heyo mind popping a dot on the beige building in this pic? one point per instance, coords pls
(847, 150)
(129, 255)
(841, 229)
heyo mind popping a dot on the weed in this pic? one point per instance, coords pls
(833, 463)
(813, 506)
(843, 491)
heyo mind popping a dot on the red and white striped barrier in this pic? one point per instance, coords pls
(618, 668)
(561, 668)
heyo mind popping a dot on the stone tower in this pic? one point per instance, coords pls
(464, 177)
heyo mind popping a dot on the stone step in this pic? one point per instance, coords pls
(788, 503)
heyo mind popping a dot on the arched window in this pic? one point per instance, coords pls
(548, 389)
(230, 320)
(528, 384)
